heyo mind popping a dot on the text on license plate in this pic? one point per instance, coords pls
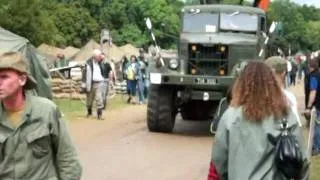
(209, 81)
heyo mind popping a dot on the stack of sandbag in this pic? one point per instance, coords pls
(77, 81)
(56, 89)
(69, 88)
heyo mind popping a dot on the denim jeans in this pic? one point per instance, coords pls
(141, 90)
(146, 87)
(316, 136)
(132, 85)
(287, 80)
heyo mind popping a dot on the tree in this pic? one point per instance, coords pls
(293, 23)
(24, 17)
(313, 35)
(75, 24)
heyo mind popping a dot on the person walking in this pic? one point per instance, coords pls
(106, 69)
(289, 70)
(293, 74)
(279, 66)
(143, 62)
(313, 100)
(92, 82)
(242, 148)
(34, 140)
(132, 71)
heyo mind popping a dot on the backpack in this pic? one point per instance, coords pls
(288, 155)
(130, 73)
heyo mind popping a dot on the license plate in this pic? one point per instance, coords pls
(206, 81)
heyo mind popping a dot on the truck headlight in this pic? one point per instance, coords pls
(155, 78)
(173, 64)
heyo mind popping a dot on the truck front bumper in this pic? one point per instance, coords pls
(199, 87)
(190, 80)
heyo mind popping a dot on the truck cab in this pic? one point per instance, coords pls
(215, 41)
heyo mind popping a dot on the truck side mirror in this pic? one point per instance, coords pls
(148, 23)
(272, 27)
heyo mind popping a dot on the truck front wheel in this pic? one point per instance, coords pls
(161, 111)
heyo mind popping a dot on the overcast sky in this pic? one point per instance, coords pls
(309, 2)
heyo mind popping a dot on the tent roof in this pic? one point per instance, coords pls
(86, 51)
(70, 51)
(10, 41)
(113, 52)
(51, 50)
(15, 43)
(129, 50)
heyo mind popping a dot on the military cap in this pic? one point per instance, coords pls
(278, 64)
(16, 62)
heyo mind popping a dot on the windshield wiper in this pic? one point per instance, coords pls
(194, 12)
(235, 13)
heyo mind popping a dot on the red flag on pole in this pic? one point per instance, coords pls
(263, 4)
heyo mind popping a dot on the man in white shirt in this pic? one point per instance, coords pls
(92, 82)
(280, 67)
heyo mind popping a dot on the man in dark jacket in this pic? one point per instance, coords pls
(312, 87)
(293, 73)
(106, 69)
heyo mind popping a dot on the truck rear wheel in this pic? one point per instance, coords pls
(161, 111)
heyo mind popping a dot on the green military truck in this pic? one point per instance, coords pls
(215, 41)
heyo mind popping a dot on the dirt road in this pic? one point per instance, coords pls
(121, 147)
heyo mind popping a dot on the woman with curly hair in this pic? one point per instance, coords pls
(242, 149)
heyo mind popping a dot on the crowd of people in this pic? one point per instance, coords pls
(98, 74)
(261, 124)
(135, 72)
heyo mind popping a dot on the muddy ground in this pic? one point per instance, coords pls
(122, 148)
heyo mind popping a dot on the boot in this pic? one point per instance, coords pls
(99, 114)
(89, 112)
(129, 100)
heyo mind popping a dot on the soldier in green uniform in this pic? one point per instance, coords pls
(34, 141)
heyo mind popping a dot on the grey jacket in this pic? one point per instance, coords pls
(87, 75)
(242, 150)
(40, 148)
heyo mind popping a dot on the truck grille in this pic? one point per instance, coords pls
(207, 51)
(207, 59)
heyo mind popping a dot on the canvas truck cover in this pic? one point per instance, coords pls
(10, 42)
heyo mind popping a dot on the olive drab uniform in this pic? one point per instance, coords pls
(40, 147)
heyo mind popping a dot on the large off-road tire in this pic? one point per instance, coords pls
(161, 111)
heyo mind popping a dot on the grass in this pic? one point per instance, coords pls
(77, 108)
(315, 168)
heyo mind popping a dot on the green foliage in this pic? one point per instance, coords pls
(299, 25)
(74, 22)
(25, 18)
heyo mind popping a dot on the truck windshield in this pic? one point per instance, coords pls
(239, 22)
(201, 22)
